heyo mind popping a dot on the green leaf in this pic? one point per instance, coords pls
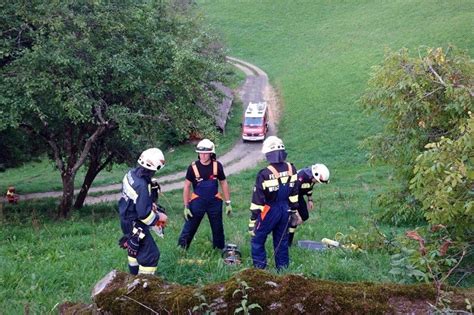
(416, 273)
(395, 271)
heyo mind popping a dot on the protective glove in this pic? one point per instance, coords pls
(155, 189)
(123, 242)
(155, 185)
(252, 227)
(187, 213)
(228, 210)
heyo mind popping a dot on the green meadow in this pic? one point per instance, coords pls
(318, 55)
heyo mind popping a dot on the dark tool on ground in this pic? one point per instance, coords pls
(231, 255)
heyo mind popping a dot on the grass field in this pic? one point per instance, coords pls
(318, 54)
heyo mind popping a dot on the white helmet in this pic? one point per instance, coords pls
(205, 146)
(320, 173)
(272, 143)
(152, 159)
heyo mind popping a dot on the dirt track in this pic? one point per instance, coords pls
(242, 156)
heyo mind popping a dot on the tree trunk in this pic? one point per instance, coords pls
(92, 171)
(68, 194)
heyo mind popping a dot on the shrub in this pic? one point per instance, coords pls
(426, 102)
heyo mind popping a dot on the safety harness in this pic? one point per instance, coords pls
(202, 186)
(277, 176)
(196, 171)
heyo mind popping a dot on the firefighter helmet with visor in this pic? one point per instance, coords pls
(152, 159)
(272, 143)
(320, 173)
(205, 146)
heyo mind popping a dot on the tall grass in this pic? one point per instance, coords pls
(318, 54)
(45, 262)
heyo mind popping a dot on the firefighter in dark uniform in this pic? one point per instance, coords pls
(205, 175)
(307, 178)
(274, 203)
(138, 213)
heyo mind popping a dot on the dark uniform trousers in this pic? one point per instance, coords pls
(205, 201)
(147, 253)
(274, 220)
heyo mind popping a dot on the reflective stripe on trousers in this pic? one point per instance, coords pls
(148, 253)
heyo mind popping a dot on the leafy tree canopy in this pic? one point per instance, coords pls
(17, 148)
(76, 73)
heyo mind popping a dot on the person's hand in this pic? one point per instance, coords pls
(228, 210)
(187, 213)
(155, 185)
(252, 227)
(310, 204)
(123, 242)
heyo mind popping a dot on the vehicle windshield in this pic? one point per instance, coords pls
(253, 121)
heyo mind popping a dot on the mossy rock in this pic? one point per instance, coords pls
(275, 294)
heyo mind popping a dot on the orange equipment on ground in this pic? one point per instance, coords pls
(11, 195)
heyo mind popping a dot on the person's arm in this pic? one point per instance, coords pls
(226, 192)
(293, 197)
(225, 189)
(257, 204)
(223, 182)
(309, 194)
(258, 197)
(186, 192)
(144, 205)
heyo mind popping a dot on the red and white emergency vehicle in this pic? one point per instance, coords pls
(255, 125)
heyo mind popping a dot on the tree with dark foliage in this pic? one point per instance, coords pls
(81, 77)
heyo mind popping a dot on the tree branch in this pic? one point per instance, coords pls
(103, 165)
(98, 111)
(47, 137)
(87, 147)
(455, 266)
(437, 76)
(141, 304)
